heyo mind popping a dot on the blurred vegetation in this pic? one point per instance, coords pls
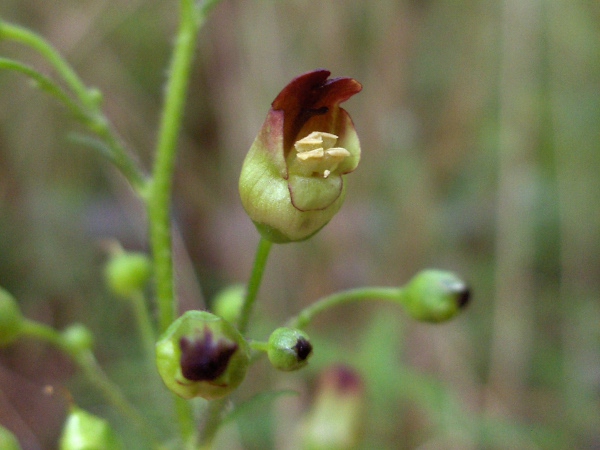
(480, 129)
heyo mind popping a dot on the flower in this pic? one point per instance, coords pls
(202, 355)
(292, 183)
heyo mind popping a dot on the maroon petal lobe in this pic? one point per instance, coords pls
(309, 95)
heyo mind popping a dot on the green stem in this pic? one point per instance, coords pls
(159, 199)
(29, 38)
(213, 421)
(144, 323)
(187, 424)
(260, 261)
(87, 110)
(215, 409)
(88, 364)
(394, 294)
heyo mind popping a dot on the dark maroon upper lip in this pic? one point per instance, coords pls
(308, 95)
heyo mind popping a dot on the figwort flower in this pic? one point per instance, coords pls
(292, 181)
(202, 355)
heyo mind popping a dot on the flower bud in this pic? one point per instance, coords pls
(127, 272)
(292, 180)
(435, 296)
(78, 338)
(8, 441)
(336, 419)
(11, 319)
(202, 355)
(84, 431)
(289, 349)
(228, 302)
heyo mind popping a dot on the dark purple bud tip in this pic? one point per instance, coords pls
(303, 349)
(204, 359)
(464, 297)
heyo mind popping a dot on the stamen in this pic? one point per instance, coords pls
(316, 155)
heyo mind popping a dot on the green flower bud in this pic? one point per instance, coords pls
(435, 296)
(289, 349)
(78, 338)
(228, 302)
(127, 272)
(202, 355)
(11, 319)
(337, 418)
(84, 431)
(292, 180)
(8, 441)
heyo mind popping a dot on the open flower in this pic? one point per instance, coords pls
(292, 180)
(202, 355)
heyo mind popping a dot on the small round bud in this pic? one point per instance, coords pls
(435, 296)
(11, 319)
(228, 302)
(127, 272)
(8, 441)
(78, 338)
(202, 355)
(84, 431)
(289, 349)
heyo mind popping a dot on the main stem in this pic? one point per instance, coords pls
(159, 200)
(159, 195)
(260, 261)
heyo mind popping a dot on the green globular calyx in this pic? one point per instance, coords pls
(292, 180)
(435, 296)
(202, 355)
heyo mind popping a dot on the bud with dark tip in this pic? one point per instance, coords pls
(202, 355)
(289, 349)
(435, 296)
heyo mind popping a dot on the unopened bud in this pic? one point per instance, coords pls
(78, 338)
(289, 349)
(127, 272)
(435, 296)
(228, 302)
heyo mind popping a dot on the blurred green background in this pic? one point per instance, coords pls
(480, 129)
